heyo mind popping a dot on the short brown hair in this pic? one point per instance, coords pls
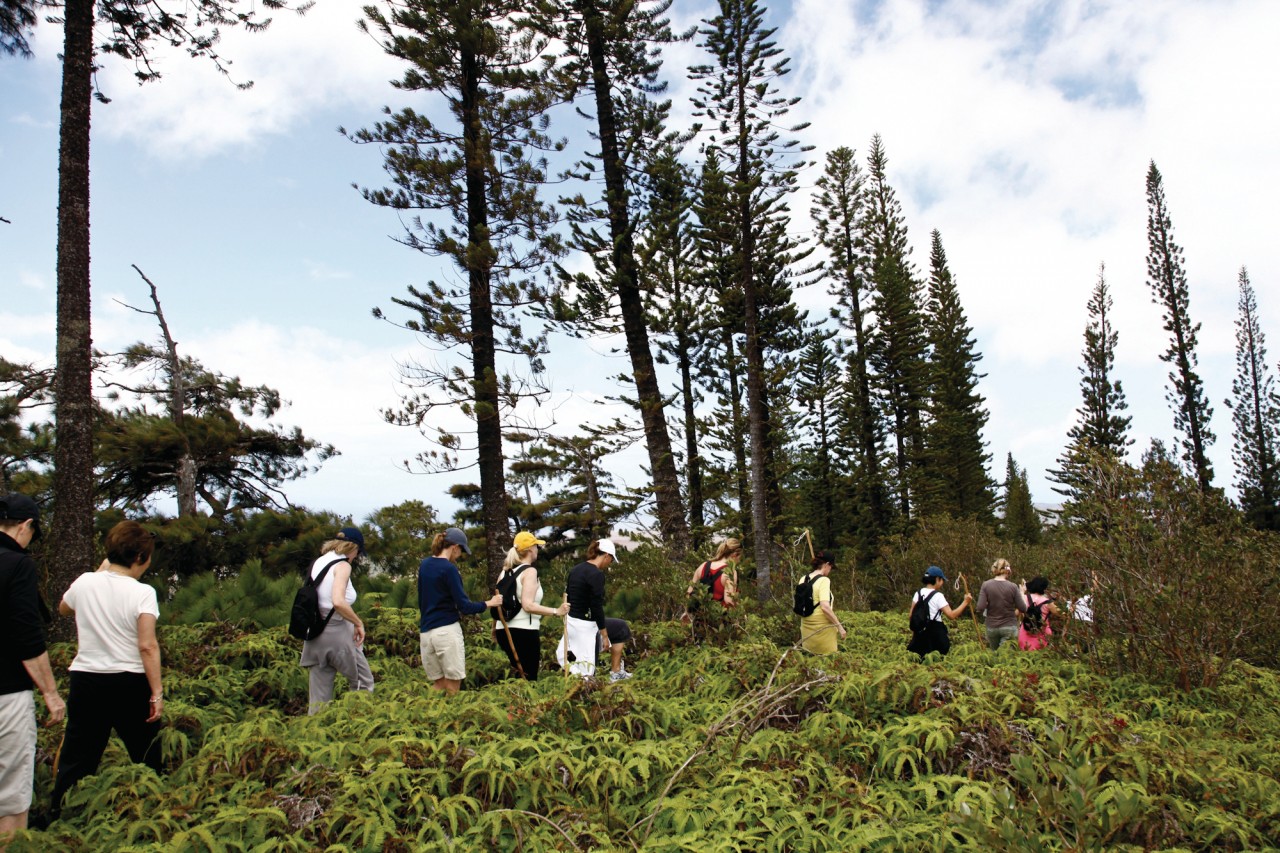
(129, 543)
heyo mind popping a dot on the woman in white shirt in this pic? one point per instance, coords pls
(526, 626)
(340, 646)
(115, 677)
(934, 637)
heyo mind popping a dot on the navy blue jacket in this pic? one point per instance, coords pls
(21, 616)
(441, 598)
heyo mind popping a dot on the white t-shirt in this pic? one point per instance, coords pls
(1083, 608)
(107, 607)
(325, 590)
(524, 620)
(936, 603)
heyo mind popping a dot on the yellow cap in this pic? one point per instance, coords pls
(526, 540)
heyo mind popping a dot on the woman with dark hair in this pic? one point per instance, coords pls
(933, 637)
(585, 592)
(1034, 633)
(115, 677)
(442, 602)
(521, 636)
(340, 646)
(818, 629)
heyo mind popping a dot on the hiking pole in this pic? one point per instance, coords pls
(511, 644)
(972, 612)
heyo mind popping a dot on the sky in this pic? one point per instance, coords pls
(1022, 131)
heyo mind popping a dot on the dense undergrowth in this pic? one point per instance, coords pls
(740, 747)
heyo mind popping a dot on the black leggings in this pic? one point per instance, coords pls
(99, 702)
(527, 647)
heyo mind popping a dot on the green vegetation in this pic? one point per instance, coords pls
(742, 747)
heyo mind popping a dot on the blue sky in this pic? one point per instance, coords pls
(1022, 131)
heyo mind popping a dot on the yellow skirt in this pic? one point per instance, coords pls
(815, 639)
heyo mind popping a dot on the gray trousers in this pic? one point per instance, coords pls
(333, 652)
(998, 636)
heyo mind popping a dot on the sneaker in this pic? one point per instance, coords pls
(620, 675)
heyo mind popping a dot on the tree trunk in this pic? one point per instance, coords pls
(738, 439)
(666, 481)
(693, 460)
(71, 551)
(493, 489)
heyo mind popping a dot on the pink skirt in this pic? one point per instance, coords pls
(1033, 642)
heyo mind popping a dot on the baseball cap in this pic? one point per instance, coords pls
(353, 534)
(18, 507)
(454, 536)
(526, 540)
(934, 572)
(606, 546)
(824, 557)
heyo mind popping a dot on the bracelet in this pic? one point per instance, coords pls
(159, 697)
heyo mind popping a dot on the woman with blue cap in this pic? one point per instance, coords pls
(933, 635)
(340, 646)
(442, 602)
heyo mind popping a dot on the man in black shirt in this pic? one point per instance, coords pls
(24, 661)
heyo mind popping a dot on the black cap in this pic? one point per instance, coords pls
(824, 557)
(18, 507)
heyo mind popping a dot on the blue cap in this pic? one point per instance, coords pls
(454, 536)
(934, 572)
(18, 507)
(353, 534)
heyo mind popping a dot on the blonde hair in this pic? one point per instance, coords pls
(345, 547)
(513, 559)
(1001, 567)
(727, 548)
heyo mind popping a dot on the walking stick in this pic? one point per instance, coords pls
(511, 644)
(972, 612)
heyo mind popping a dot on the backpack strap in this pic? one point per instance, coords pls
(925, 601)
(316, 583)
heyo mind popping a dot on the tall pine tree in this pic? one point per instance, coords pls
(899, 354)
(955, 468)
(738, 96)
(1021, 521)
(817, 384)
(612, 52)
(838, 213)
(1101, 428)
(475, 178)
(1168, 281)
(1255, 414)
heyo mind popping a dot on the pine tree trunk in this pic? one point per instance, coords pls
(737, 438)
(493, 490)
(71, 551)
(666, 481)
(693, 461)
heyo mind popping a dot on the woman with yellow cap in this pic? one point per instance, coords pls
(520, 637)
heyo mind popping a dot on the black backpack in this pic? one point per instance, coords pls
(305, 622)
(510, 595)
(804, 605)
(920, 615)
(1033, 620)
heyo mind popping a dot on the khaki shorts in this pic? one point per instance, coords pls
(443, 653)
(17, 751)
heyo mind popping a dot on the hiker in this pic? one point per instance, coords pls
(715, 575)
(1035, 630)
(442, 602)
(340, 646)
(115, 676)
(520, 638)
(933, 636)
(586, 629)
(25, 665)
(818, 630)
(1000, 601)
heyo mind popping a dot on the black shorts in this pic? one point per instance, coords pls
(619, 630)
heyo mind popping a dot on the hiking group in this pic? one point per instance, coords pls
(115, 678)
